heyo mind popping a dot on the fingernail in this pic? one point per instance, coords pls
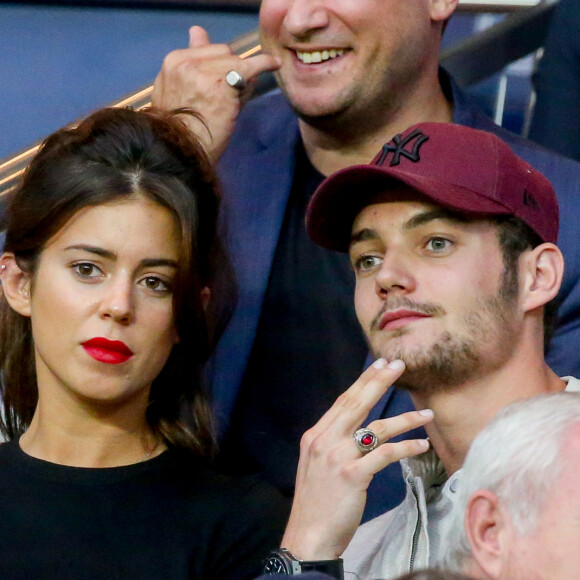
(426, 412)
(380, 363)
(396, 365)
(423, 444)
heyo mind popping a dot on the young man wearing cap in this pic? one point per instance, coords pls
(452, 240)
(352, 75)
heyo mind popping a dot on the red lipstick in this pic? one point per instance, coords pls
(113, 352)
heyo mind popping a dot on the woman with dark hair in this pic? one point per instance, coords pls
(107, 271)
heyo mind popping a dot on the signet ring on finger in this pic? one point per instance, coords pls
(236, 80)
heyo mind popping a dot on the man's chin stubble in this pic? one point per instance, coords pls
(443, 367)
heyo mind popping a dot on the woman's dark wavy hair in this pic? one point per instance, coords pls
(115, 154)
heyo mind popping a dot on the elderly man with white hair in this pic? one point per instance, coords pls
(517, 513)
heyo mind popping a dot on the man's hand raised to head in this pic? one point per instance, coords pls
(195, 78)
(334, 474)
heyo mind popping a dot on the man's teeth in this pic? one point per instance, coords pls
(319, 56)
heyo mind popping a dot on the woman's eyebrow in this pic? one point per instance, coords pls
(108, 254)
(93, 250)
(156, 262)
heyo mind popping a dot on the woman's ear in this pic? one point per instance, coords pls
(205, 297)
(543, 269)
(15, 284)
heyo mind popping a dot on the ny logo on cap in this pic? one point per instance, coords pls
(397, 148)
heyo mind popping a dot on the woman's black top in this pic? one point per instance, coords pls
(165, 518)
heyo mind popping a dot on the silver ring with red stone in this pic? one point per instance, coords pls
(366, 439)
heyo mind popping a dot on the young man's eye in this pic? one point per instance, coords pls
(365, 263)
(438, 244)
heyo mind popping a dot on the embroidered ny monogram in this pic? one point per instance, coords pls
(398, 148)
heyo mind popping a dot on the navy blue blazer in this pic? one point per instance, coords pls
(256, 174)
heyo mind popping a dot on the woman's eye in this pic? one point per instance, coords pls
(438, 244)
(156, 284)
(87, 270)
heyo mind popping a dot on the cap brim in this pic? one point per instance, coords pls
(339, 199)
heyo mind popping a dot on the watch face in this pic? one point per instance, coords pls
(275, 565)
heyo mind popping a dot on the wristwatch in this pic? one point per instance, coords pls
(283, 562)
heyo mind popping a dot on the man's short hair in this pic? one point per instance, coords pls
(517, 456)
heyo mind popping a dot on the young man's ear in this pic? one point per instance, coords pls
(488, 532)
(15, 284)
(441, 10)
(542, 270)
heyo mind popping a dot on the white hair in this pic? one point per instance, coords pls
(517, 457)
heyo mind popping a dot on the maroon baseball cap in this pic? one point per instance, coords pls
(467, 170)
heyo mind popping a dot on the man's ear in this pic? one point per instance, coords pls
(542, 272)
(488, 532)
(15, 284)
(442, 9)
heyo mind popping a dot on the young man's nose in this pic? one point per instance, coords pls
(395, 275)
